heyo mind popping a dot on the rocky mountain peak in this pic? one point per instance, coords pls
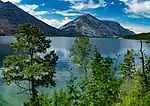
(86, 15)
(89, 25)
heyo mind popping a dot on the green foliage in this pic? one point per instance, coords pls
(133, 90)
(68, 97)
(142, 36)
(61, 98)
(127, 67)
(26, 65)
(99, 84)
(147, 70)
(103, 87)
(41, 100)
(81, 53)
(131, 93)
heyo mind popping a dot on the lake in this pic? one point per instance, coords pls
(62, 45)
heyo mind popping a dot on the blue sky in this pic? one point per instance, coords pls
(131, 14)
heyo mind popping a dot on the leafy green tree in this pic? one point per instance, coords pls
(127, 66)
(81, 53)
(71, 96)
(128, 73)
(147, 72)
(135, 89)
(99, 86)
(103, 87)
(26, 65)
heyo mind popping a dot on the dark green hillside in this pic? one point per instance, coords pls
(142, 36)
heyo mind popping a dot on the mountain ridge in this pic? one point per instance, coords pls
(12, 16)
(91, 26)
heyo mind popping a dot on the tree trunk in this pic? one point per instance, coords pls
(33, 88)
(143, 66)
(34, 91)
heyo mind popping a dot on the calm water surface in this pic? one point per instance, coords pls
(62, 46)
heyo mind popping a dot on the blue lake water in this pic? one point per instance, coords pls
(62, 46)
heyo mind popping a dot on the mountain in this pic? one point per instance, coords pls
(91, 26)
(11, 16)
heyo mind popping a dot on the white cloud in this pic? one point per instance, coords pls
(67, 13)
(134, 16)
(54, 22)
(31, 9)
(138, 7)
(124, 0)
(86, 4)
(76, 7)
(73, 1)
(112, 3)
(137, 28)
(43, 4)
(12, 1)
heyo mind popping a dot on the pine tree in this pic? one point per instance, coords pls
(26, 65)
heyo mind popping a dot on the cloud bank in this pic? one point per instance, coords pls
(12, 1)
(138, 8)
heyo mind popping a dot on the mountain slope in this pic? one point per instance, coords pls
(91, 26)
(141, 36)
(11, 16)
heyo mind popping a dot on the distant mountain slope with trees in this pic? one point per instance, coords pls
(141, 36)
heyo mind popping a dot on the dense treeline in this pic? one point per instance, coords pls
(142, 36)
(101, 84)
